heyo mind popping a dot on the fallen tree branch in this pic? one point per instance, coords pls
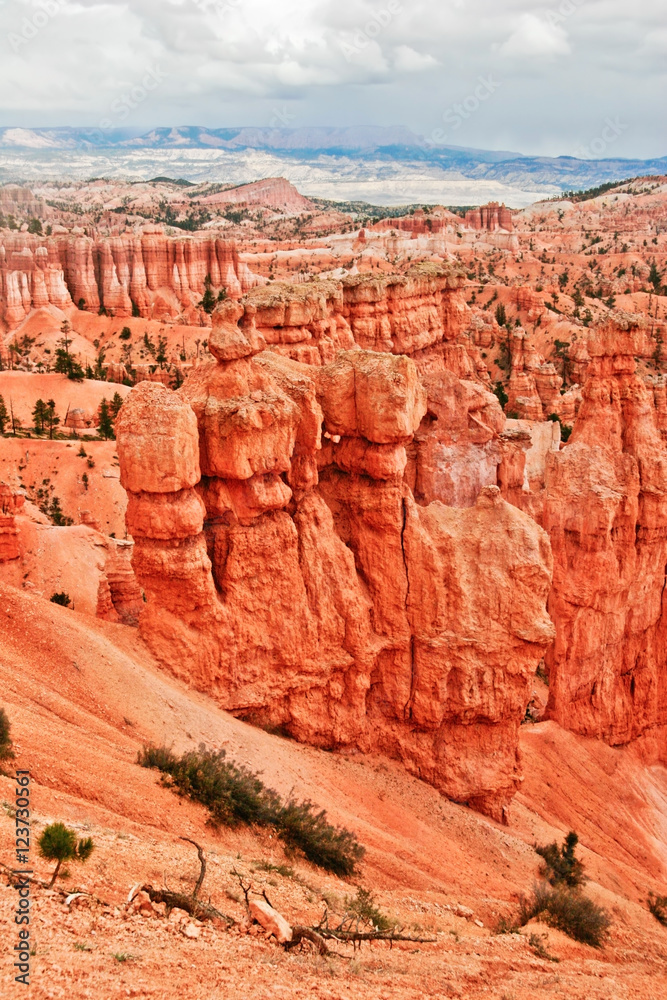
(202, 865)
(350, 937)
(191, 905)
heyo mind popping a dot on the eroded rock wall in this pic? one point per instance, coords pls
(289, 571)
(151, 274)
(606, 515)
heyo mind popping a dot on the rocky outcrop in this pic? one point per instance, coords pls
(492, 216)
(606, 514)
(11, 503)
(151, 275)
(289, 571)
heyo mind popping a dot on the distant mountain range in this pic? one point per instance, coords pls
(367, 162)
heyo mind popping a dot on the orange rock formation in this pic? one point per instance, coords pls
(289, 570)
(156, 276)
(606, 514)
(492, 216)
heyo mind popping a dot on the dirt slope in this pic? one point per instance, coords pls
(83, 696)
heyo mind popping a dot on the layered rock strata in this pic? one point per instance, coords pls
(289, 571)
(606, 514)
(150, 275)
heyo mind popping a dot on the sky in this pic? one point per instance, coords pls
(567, 77)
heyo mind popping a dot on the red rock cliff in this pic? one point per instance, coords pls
(159, 276)
(606, 514)
(289, 571)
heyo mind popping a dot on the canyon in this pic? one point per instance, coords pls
(391, 499)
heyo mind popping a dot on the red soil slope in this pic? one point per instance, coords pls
(83, 696)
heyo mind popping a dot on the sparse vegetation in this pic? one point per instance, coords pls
(658, 907)
(363, 906)
(561, 866)
(6, 745)
(58, 843)
(569, 911)
(236, 795)
(61, 598)
(105, 427)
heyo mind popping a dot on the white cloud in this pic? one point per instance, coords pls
(534, 36)
(407, 60)
(234, 61)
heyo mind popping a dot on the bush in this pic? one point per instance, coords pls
(125, 333)
(61, 598)
(334, 849)
(6, 751)
(658, 907)
(363, 907)
(58, 843)
(234, 795)
(568, 911)
(561, 867)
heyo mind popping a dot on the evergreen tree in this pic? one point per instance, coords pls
(58, 843)
(39, 414)
(4, 416)
(105, 427)
(208, 299)
(116, 404)
(50, 419)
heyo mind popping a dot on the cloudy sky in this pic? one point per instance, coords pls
(537, 77)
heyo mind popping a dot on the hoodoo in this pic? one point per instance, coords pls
(289, 570)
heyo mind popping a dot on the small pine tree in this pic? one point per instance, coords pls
(105, 427)
(39, 414)
(50, 419)
(4, 415)
(116, 404)
(561, 866)
(6, 751)
(208, 299)
(58, 843)
(35, 227)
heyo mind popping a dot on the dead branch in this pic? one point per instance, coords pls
(191, 905)
(202, 864)
(247, 889)
(300, 934)
(350, 937)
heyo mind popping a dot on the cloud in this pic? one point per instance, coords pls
(346, 62)
(534, 36)
(406, 60)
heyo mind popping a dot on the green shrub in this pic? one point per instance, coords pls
(6, 751)
(561, 867)
(334, 849)
(658, 907)
(58, 843)
(569, 911)
(234, 795)
(364, 908)
(61, 598)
